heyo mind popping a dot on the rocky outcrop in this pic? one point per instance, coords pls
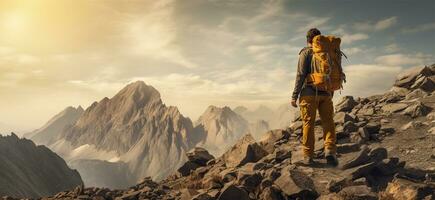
(31, 171)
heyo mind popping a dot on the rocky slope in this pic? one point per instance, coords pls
(27, 170)
(385, 149)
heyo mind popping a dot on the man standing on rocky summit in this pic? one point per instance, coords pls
(311, 100)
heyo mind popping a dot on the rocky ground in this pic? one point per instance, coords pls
(385, 148)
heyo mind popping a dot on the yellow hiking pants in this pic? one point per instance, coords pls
(309, 106)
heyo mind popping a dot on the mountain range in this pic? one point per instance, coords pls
(134, 134)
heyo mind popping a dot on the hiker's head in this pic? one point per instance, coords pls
(311, 34)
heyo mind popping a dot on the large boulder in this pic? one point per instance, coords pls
(199, 156)
(244, 151)
(232, 192)
(417, 109)
(394, 107)
(342, 117)
(296, 184)
(408, 77)
(346, 104)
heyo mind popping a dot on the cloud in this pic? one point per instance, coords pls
(350, 38)
(405, 59)
(420, 28)
(376, 26)
(369, 79)
(392, 48)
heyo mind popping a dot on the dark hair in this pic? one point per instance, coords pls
(311, 34)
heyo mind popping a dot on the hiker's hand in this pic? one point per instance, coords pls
(294, 104)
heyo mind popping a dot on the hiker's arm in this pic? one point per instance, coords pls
(303, 66)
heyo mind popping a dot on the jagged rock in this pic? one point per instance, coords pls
(400, 91)
(244, 151)
(360, 158)
(187, 168)
(249, 180)
(387, 129)
(401, 189)
(349, 127)
(361, 136)
(282, 154)
(199, 156)
(347, 148)
(408, 77)
(424, 83)
(418, 109)
(342, 117)
(296, 184)
(394, 107)
(359, 192)
(360, 171)
(373, 127)
(378, 154)
(232, 192)
(388, 166)
(346, 104)
(271, 137)
(418, 93)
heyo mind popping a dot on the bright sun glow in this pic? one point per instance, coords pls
(14, 22)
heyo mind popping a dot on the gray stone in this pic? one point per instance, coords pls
(418, 93)
(357, 159)
(296, 184)
(373, 127)
(342, 117)
(407, 78)
(349, 127)
(394, 107)
(232, 192)
(187, 168)
(244, 151)
(199, 156)
(359, 192)
(346, 104)
(417, 109)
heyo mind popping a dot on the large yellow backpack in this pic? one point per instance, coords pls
(326, 71)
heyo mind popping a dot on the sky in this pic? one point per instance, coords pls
(59, 53)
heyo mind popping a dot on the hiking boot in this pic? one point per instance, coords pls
(331, 160)
(308, 161)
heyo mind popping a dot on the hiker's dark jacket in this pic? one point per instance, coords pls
(304, 68)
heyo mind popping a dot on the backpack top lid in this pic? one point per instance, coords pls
(329, 43)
